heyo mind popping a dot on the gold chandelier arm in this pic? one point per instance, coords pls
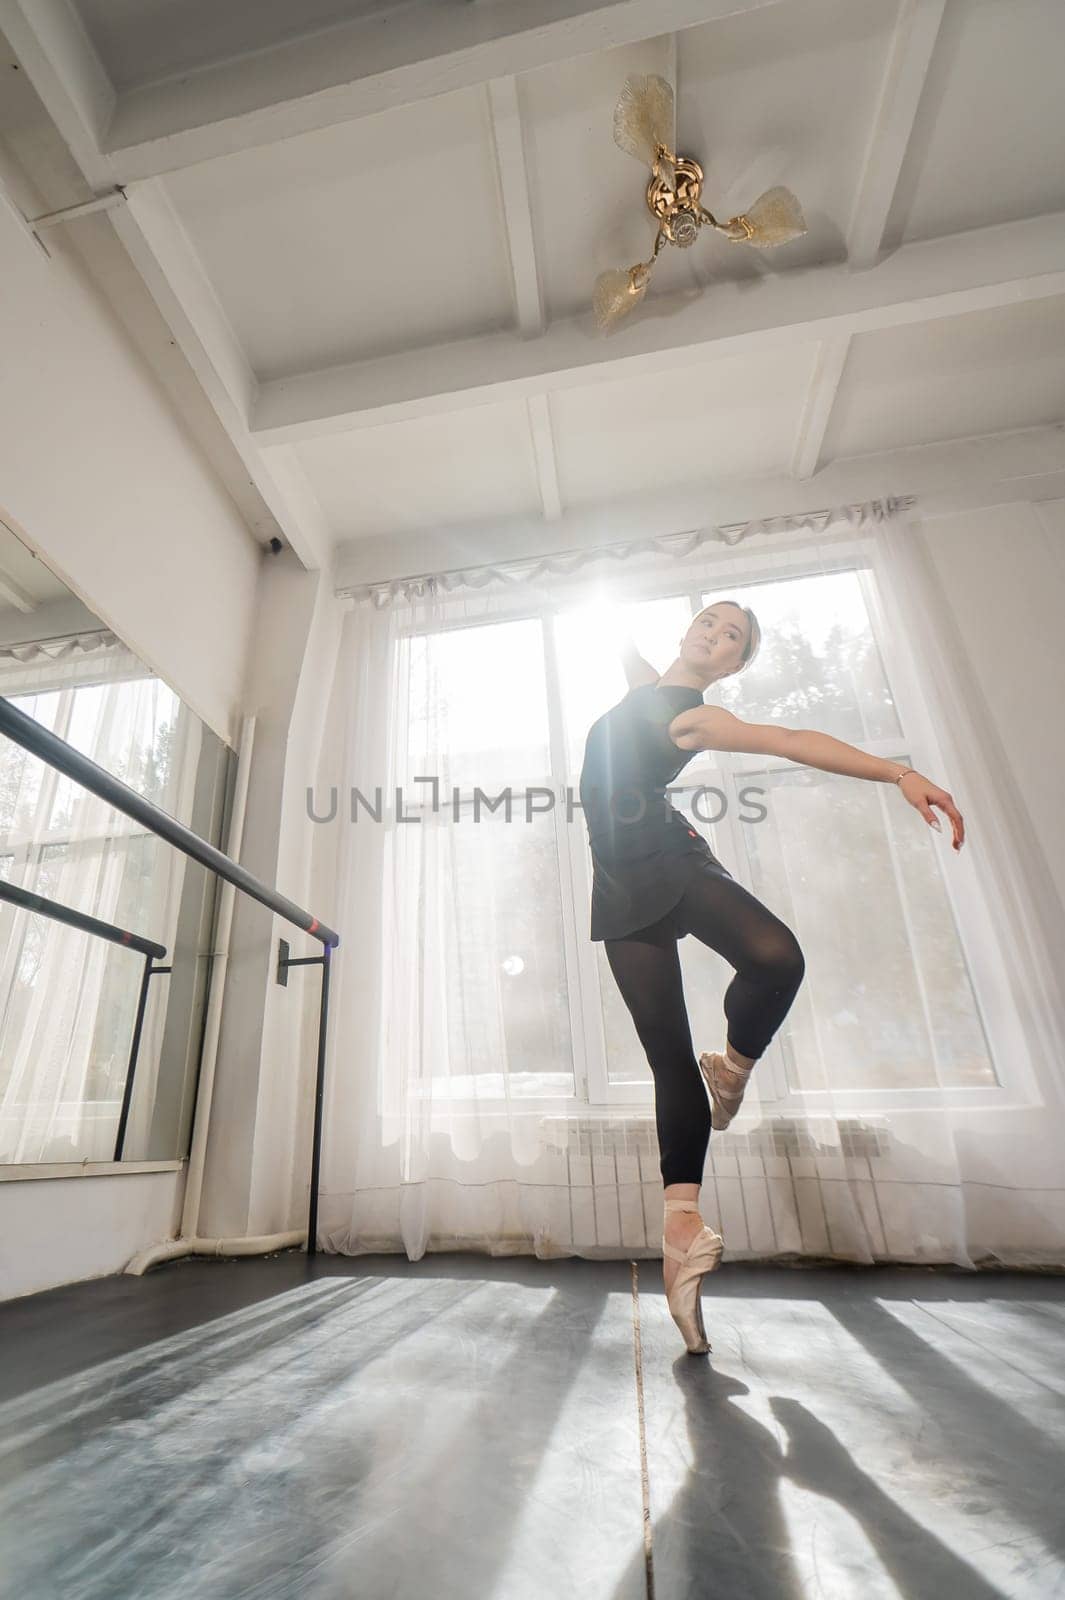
(644, 268)
(664, 166)
(736, 228)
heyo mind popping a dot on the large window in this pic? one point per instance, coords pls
(888, 1009)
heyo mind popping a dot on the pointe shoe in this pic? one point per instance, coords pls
(724, 1103)
(702, 1256)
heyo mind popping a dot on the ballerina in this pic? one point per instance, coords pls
(655, 880)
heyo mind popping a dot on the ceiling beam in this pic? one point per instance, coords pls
(157, 244)
(509, 142)
(538, 407)
(372, 64)
(909, 57)
(982, 268)
(817, 407)
(12, 595)
(163, 254)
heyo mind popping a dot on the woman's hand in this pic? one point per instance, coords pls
(922, 793)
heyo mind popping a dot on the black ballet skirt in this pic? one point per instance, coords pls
(641, 846)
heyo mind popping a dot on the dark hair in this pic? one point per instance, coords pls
(755, 634)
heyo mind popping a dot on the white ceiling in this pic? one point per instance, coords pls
(987, 139)
(355, 241)
(458, 466)
(734, 417)
(984, 372)
(376, 239)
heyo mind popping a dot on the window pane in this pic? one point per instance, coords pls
(886, 1001)
(126, 728)
(478, 708)
(493, 938)
(21, 773)
(143, 858)
(818, 660)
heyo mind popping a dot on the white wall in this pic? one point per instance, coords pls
(100, 477)
(259, 1145)
(61, 1230)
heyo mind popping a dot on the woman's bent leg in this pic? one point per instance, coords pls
(769, 964)
(646, 968)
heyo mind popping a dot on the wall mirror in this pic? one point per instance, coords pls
(69, 998)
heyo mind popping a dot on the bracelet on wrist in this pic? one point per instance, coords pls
(905, 774)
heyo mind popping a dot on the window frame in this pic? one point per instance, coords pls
(593, 1094)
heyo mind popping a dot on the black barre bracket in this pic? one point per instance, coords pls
(284, 961)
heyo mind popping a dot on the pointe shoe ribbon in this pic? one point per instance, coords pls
(703, 1255)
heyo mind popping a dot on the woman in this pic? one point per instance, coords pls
(655, 880)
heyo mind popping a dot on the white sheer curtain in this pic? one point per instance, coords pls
(67, 999)
(486, 1089)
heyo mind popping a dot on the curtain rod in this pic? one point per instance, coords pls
(75, 633)
(728, 532)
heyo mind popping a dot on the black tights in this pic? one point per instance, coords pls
(646, 966)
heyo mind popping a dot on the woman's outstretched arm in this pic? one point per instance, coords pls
(714, 728)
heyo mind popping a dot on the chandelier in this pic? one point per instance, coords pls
(643, 127)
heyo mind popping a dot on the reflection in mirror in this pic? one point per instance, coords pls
(68, 998)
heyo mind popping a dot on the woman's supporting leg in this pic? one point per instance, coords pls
(769, 968)
(768, 961)
(678, 1227)
(646, 968)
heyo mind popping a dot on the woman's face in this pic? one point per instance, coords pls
(714, 644)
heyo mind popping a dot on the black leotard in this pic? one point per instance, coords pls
(639, 868)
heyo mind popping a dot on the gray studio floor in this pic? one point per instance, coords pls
(478, 1427)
